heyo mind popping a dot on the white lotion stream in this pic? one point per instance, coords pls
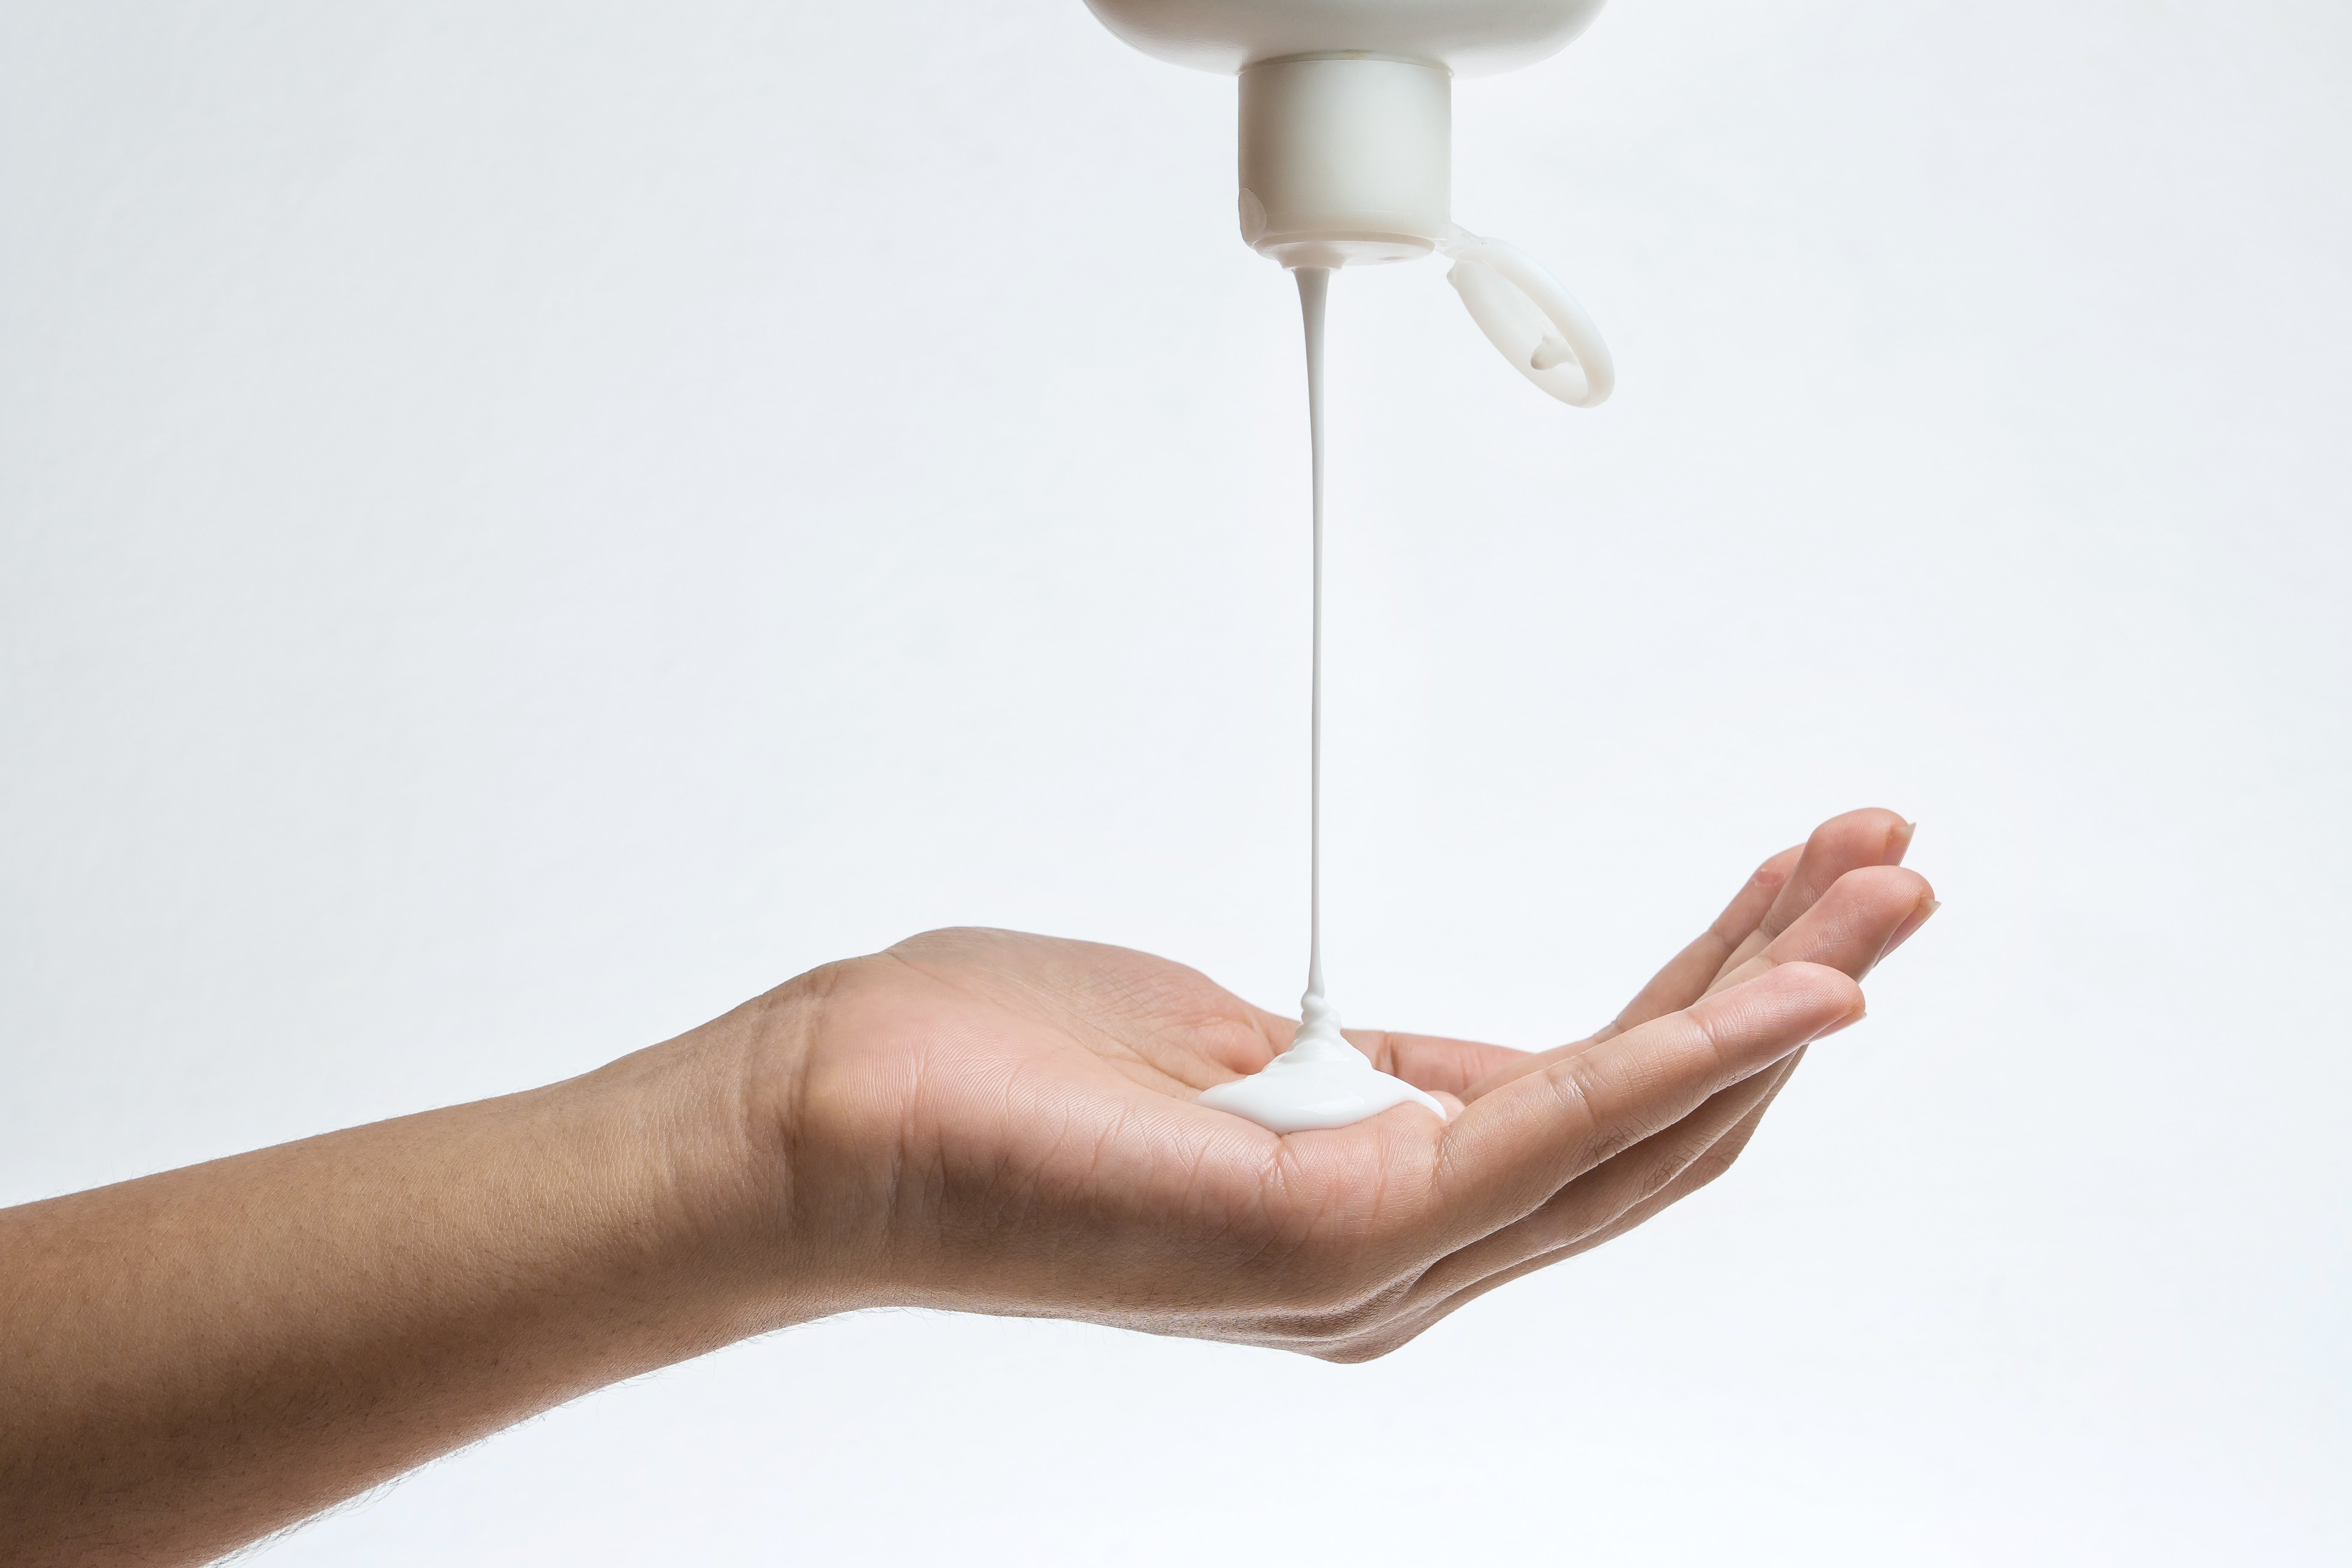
(1321, 1080)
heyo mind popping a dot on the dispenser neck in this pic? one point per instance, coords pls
(1346, 158)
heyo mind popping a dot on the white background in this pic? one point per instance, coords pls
(522, 525)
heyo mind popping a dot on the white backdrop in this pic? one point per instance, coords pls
(524, 524)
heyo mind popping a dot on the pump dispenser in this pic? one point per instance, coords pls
(1347, 113)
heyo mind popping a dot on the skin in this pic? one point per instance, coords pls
(975, 1120)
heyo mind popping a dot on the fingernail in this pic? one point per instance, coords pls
(1898, 842)
(1918, 918)
(1848, 1021)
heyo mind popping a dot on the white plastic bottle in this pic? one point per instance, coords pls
(1347, 117)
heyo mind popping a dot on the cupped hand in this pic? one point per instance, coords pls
(972, 1120)
(994, 1123)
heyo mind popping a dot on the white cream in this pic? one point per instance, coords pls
(1321, 1080)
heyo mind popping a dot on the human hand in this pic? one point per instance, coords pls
(994, 1123)
(973, 1119)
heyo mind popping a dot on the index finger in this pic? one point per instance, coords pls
(1516, 1145)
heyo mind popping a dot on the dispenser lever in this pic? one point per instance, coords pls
(1527, 314)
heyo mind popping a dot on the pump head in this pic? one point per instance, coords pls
(1347, 157)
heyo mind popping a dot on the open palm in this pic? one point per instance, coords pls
(997, 1122)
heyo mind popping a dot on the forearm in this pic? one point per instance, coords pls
(191, 1360)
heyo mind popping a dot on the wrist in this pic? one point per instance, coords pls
(707, 1123)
